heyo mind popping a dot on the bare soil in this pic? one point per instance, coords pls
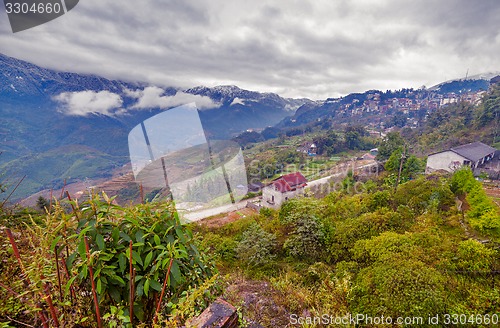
(225, 218)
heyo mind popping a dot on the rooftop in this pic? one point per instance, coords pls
(290, 182)
(473, 151)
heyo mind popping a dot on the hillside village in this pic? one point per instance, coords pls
(384, 111)
(412, 102)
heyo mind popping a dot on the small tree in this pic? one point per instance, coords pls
(348, 183)
(42, 203)
(404, 165)
(307, 240)
(257, 246)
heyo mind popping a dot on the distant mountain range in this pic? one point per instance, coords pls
(58, 126)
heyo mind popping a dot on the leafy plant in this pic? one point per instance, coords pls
(473, 256)
(131, 261)
(483, 215)
(143, 248)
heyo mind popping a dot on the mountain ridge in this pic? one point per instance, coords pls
(36, 122)
(34, 104)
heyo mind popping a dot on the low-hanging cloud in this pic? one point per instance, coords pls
(84, 103)
(316, 49)
(153, 97)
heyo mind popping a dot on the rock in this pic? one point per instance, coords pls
(220, 314)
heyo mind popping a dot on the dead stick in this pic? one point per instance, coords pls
(91, 272)
(71, 203)
(22, 301)
(62, 190)
(142, 193)
(53, 311)
(6, 199)
(72, 294)
(58, 275)
(44, 319)
(7, 288)
(158, 306)
(19, 322)
(18, 256)
(131, 294)
(50, 203)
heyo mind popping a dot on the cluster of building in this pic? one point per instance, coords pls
(412, 103)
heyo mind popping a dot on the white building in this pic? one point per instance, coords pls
(473, 155)
(283, 188)
(308, 148)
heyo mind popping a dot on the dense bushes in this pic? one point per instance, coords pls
(257, 246)
(400, 287)
(307, 240)
(483, 215)
(382, 252)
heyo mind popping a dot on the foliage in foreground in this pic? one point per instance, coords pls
(69, 256)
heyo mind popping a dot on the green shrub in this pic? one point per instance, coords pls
(257, 246)
(223, 247)
(473, 256)
(293, 209)
(378, 200)
(307, 241)
(342, 207)
(423, 194)
(462, 181)
(483, 214)
(399, 287)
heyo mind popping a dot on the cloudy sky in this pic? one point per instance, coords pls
(315, 49)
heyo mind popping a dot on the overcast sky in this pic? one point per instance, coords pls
(315, 49)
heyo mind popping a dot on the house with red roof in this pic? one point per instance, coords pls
(283, 188)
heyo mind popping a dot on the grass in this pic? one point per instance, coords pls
(54, 166)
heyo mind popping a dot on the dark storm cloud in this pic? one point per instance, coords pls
(297, 48)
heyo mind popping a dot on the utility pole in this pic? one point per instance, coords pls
(497, 126)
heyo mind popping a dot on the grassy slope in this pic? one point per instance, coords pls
(69, 163)
(416, 231)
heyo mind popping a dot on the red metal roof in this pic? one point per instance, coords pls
(290, 182)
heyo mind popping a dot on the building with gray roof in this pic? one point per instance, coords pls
(472, 154)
